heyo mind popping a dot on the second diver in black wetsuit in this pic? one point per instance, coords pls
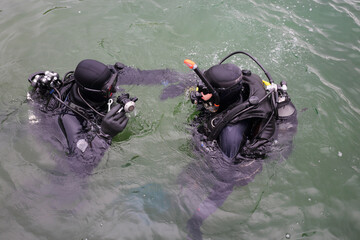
(241, 120)
(240, 110)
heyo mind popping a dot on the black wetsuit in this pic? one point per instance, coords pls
(72, 127)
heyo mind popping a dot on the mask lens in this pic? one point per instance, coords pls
(205, 91)
(110, 87)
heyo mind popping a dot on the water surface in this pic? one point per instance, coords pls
(134, 193)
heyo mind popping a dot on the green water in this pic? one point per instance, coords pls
(134, 193)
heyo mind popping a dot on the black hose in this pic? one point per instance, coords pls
(254, 59)
(72, 109)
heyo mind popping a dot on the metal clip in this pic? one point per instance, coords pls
(109, 104)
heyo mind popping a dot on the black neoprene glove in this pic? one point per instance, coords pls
(114, 122)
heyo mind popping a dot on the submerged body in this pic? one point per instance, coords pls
(207, 183)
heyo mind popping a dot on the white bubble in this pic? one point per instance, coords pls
(287, 236)
(340, 154)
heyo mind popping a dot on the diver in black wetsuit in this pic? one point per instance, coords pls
(242, 119)
(77, 111)
(72, 114)
(242, 110)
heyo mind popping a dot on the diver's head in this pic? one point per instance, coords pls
(225, 79)
(223, 75)
(95, 80)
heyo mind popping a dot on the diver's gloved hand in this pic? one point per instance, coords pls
(114, 122)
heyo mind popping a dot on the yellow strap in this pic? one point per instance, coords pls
(265, 83)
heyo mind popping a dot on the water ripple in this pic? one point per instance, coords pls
(335, 88)
(342, 9)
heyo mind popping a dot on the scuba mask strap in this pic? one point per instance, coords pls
(107, 90)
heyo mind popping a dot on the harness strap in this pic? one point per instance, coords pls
(217, 123)
(78, 109)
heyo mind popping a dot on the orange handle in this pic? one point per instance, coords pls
(190, 64)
